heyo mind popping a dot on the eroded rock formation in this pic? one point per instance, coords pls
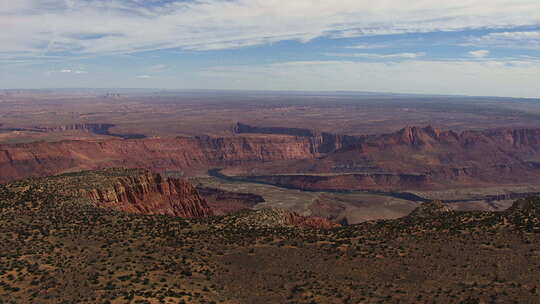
(182, 153)
(141, 192)
(411, 158)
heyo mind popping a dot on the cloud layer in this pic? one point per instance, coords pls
(479, 53)
(514, 40)
(45, 27)
(467, 77)
(379, 56)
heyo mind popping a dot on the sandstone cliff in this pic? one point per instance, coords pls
(182, 154)
(411, 158)
(322, 142)
(137, 191)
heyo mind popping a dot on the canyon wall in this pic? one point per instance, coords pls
(182, 154)
(146, 193)
(415, 158)
(346, 182)
(322, 142)
(411, 158)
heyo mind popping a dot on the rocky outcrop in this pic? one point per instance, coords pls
(297, 220)
(430, 209)
(525, 214)
(530, 205)
(225, 202)
(282, 217)
(146, 193)
(322, 142)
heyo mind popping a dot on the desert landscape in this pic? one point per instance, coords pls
(132, 236)
(269, 152)
(461, 157)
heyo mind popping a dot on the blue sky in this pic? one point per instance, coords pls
(470, 47)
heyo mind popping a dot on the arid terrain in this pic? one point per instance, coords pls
(343, 156)
(191, 113)
(269, 152)
(89, 238)
(238, 197)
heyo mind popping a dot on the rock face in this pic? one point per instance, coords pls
(418, 159)
(322, 142)
(145, 193)
(183, 154)
(410, 159)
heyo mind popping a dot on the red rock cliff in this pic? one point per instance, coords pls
(148, 193)
(40, 159)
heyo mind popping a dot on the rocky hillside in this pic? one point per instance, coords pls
(280, 218)
(61, 248)
(133, 191)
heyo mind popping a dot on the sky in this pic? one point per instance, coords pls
(462, 47)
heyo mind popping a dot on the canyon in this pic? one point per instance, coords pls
(157, 196)
(59, 241)
(93, 128)
(411, 158)
(143, 192)
(140, 191)
(415, 158)
(181, 153)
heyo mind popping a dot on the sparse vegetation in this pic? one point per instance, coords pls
(57, 248)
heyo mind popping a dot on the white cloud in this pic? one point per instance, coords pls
(369, 46)
(379, 56)
(479, 53)
(143, 76)
(37, 27)
(157, 68)
(467, 77)
(73, 71)
(517, 40)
